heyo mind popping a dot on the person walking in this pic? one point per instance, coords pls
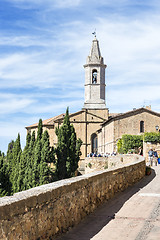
(150, 157)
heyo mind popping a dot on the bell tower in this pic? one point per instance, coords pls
(95, 79)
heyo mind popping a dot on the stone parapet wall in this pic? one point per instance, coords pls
(43, 212)
(92, 164)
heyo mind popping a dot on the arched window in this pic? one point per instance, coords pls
(94, 143)
(141, 126)
(94, 76)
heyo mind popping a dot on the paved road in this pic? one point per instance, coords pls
(133, 214)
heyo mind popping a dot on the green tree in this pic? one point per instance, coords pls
(28, 179)
(16, 148)
(28, 139)
(36, 162)
(14, 164)
(119, 146)
(78, 150)
(40, 130)
(37, 156)
(5, 185)
(10, 154)
(44, 170)
(68, 149)
(16, 174)
(130, 142)
(23, 164)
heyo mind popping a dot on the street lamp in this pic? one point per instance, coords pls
(157, 127)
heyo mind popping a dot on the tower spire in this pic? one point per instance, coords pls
(95, 54)
(94, 78)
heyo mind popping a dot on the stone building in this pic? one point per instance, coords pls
(94, 112)
(98, 129)
(134, 122)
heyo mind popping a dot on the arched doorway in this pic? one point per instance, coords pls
(94, 143)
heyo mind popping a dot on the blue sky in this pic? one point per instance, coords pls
(44, 44)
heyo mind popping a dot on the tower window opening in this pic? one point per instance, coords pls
(94, 76)
(141, 126)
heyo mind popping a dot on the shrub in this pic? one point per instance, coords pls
(130, 143)
(152, 137)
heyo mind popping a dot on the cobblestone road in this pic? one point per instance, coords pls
(133, 214)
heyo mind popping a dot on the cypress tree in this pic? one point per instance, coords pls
(71, 159)
(28, 179)
(16, 184)
(61, 151)
(31, 145)
(10, 155)
(44, 170)
(74, 153)
(40, 130)
(37, 155)
(28, 139)
(16, 148)
(68, 149)
(5, 185)
(23, 164)
(36, 162)
(78, 151)
(14, 166)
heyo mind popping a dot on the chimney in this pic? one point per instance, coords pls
(148, 107)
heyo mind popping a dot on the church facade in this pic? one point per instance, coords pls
(94, 112)
(98, 129)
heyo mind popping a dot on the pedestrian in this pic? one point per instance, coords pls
(140, 152)
(150, 157)
(155, 157)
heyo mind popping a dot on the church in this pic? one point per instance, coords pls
(94, 125)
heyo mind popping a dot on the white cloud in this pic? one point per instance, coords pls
(12, 103)
(124, 99)
(23, 41)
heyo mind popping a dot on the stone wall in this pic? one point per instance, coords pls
(128, 123)
(43, 212)
(92, 164)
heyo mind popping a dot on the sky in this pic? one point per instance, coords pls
(44, 45)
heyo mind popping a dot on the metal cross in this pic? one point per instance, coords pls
(94, 33)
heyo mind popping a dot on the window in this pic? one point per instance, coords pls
(94, 76)
(141, 126)
(94, 142)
